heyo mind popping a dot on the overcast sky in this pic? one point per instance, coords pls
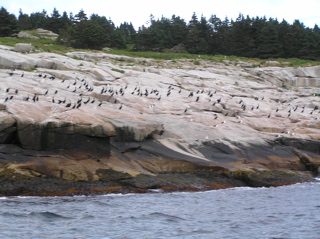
(138, 11)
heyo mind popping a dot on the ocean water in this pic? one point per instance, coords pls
(281, 212)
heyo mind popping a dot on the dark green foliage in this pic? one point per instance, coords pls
(89, 34)
(8, 23)
(39, 19)
(128, 32)
(24, 21)
(244, 37)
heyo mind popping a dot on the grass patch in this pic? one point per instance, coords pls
(117, 70)
(31, 69)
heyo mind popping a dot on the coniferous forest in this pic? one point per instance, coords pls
(245, 36)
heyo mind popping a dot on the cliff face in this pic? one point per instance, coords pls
(95, 122)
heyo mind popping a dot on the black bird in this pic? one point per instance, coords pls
(159, 98)
(8, 89)
(46, 92)
(16, 91)
(100, 103)
(6, 99)
(197, 98)
(120, 107)
(219, 100)
(56, 92)
(185, 111)
(11, 74)
(11, 97)
(69, 104)
(22, 74)
(85, 102)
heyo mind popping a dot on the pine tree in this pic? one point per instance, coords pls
(54, 22)
(39, 19)
(8, 23)
(24, 21)
(269, 44)
(90, 35)
(196, 42)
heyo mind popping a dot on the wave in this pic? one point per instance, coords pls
(165, 216)
(48, 215)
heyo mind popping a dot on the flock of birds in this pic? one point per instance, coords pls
(80, 94)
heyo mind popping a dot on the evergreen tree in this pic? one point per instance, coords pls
(24, 21)
(118, 39)
(8, 23)
(241, 37)
(90, 35)
(54, 22)
(39, 19)
(81, 16)
(269, 44)
(128, 32)
(178, 30)
(196, 42)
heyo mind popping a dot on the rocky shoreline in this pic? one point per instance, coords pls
(94, 123)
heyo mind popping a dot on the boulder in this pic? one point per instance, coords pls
(272, 63)
(46, 34)
(23, 34)
(23, 47)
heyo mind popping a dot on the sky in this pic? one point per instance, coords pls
(138, 11)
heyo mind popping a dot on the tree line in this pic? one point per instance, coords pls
(245, 36)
